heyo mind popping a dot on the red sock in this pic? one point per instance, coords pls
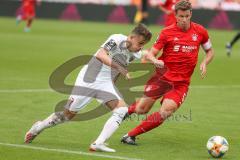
(131, 109)
(152, 121)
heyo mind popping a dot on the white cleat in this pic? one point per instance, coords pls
(100, 147)
(32, 133)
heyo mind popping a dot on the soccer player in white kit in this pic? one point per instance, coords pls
(98, 78)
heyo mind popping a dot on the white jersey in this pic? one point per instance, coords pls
(116, 47)
(95, 80)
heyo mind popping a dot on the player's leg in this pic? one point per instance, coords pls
(18, 19)
(21, 16)
(141, 106)
(229, 45)
(119, 110)
(152, 121)
(53, 120)
(28, 24)
(30, 14)
(111, 97)
(170, 103)
(74, 104)
(153, 90)
(138, 14)
(144, 9)
(155, 119)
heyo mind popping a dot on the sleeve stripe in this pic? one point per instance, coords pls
(206, 46)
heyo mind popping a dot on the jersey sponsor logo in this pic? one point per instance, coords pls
(110, 45)
(186, 49)
(176, 48)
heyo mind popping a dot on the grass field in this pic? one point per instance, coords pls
(28, 59)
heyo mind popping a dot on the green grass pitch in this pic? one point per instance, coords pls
(27, 60)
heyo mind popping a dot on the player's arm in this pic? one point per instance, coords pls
(207, 59)
(207, 47)
(151, 55)
(163, 9)
(154, 51)
(38, 2)
(102, 55)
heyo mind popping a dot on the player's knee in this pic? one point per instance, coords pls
(166, 112)
(119, 113)
(141, 110)
(68, 115)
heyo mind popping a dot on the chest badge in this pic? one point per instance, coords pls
(194, 37)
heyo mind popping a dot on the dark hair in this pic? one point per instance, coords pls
(183, 5)
(142, 30)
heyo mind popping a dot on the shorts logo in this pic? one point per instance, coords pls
(149, 88)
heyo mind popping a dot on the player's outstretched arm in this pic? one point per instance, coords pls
(208, 58)
(151, 57)
(166, 11)
(39, 2)
(103, 56)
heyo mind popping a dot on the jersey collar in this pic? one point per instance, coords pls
(179, 29)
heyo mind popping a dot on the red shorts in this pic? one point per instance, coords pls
(157, 87)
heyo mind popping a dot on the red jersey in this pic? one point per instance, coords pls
(28, 3)
(180, 50)
(169, 5)
(28, 7)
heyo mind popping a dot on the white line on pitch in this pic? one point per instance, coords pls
(214, 86)
(67, 151)
(50, 90)
(24, 90)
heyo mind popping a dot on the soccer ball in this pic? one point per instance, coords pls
(217, 146)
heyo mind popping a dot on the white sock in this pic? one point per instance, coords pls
(53, 120)
(112, 124)
(19, 17)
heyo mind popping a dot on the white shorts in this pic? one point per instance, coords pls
(83, 93)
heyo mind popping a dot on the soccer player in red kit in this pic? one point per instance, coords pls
(28, 13)
(167, 6)
(180, 43)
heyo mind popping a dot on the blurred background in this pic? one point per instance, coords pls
(64, 29)
(222, 14)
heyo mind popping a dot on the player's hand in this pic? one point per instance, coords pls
(127, 76)
(38, 2)
(169, 12)
(158, 63)
(124, 72)
(203, 69)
